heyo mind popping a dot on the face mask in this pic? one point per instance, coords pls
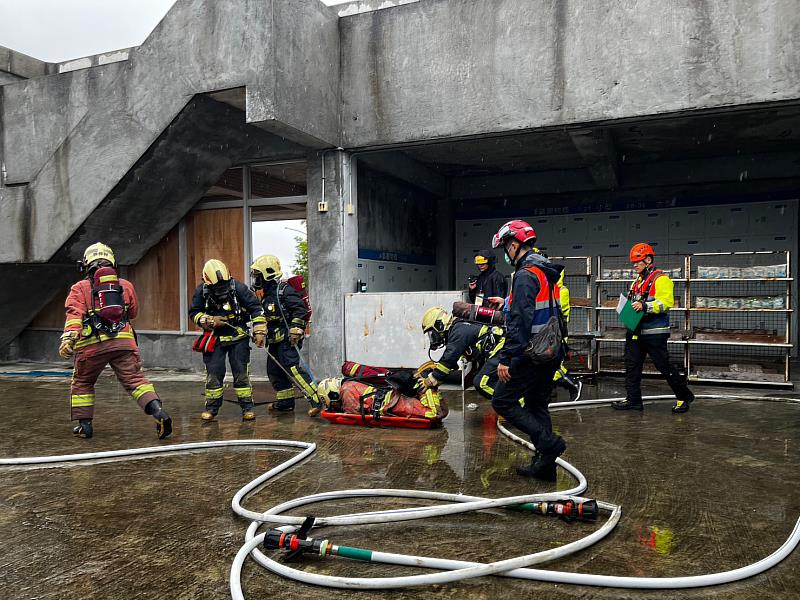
(436, 340)
(258, 280)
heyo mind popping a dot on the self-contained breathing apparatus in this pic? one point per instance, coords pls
(109, 313)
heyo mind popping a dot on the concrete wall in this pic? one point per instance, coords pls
(445, 68)
(395, 217)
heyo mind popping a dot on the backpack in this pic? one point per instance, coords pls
(109, 314)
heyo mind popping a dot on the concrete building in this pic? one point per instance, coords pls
(403, 136)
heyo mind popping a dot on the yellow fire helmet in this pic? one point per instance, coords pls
(328, 390)
(269, 266)
(98, 251)
(436, 319)
(215, 271)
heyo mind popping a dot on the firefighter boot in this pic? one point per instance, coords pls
(248, 414)
(83, 429)
(543, 466)
(627, 405)
(283, 405)
(682, 406)
(163, 420)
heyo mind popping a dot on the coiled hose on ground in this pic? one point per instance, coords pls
(449, 570)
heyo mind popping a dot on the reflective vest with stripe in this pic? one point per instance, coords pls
(547, 296)
(645, 291)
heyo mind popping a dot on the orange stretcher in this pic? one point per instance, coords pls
(370, 421)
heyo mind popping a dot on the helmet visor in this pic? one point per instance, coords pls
(435, 339)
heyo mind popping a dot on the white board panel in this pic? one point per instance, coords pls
(386, 329)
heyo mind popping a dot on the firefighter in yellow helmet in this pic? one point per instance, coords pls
(285, 313)
(476, 342)
(223, 306)
(98, 332)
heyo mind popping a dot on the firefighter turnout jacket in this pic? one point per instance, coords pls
(239, 306)
(528, 305)
(470, 340)
(78, 312)
(284, 309)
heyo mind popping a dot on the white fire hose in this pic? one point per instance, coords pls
(448, 570)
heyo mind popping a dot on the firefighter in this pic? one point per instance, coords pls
(285, 312)
(222, 306)
(474, 342)
(524, 389)
(98, 332)
(489, 282)
(651, 293)
(562, 377)
(356, 397)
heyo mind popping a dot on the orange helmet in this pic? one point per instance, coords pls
(641, 251)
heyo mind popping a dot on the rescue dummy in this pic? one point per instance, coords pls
(475, 342)
(98, 332)
(398, 401)
(285, 312)
(223, 306)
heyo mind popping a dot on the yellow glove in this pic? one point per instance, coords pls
(295, 335)
(219, 321)
(67, 347)
(430, 381)
(259, 334)
(206, 322)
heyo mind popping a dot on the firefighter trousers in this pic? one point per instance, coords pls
(636, 350)
(283, 361)
(523, 401)
(238, 354)
(127, 366)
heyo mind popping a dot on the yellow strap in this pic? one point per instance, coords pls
(213, 393)
(243, 392)
(79, 400)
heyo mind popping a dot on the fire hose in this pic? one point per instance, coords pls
(290, 535)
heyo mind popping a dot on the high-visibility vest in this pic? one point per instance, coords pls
(644, 290)
(546, 296)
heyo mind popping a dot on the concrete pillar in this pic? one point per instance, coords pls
(332, 255)
(446, 244)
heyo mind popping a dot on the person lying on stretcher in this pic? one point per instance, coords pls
(387, 394)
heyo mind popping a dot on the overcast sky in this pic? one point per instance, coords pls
(59, 30)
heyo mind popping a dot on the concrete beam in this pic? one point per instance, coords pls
(22, 65)
(522, 184)
(596, 147)
(646, 175)
(402, 166)
(453, 68)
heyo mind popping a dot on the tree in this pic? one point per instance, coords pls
(301, 257)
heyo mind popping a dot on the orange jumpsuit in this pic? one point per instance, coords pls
(95, 350)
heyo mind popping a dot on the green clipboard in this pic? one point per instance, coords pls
(629, 317)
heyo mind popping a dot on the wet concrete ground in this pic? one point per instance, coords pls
(708, 491)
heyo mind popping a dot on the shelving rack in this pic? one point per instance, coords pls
(578, 278)
(731, 321)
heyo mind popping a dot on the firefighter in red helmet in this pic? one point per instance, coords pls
(651, 293)
(524, 389)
